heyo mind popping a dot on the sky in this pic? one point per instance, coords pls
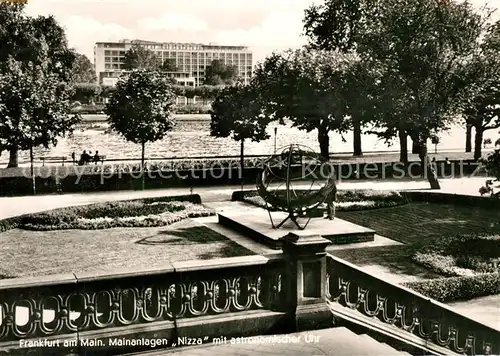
(263, 25)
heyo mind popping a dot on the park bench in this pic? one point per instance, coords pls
(53, 159)
(91, 160)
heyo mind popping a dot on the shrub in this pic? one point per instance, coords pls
(462, 255)
(446, 265)
(458, 288)
(9, 223)
(347, 200)
(474, 245)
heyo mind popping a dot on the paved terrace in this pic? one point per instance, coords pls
(14, 206)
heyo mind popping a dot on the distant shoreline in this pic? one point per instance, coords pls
(186, 117)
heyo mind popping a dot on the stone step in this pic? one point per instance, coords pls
(389, 348)
(256, 224)
(338, 341)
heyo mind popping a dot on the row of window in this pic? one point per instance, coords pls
(187, 69)
(188, 61)
(248, 56)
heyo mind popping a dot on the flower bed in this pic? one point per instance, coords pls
(462, 255)
(472, 263)
(132, 213)
(347, 200)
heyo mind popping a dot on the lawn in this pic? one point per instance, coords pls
(37, 253)
(416, 225)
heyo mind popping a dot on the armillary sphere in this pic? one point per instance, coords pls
(296, 180)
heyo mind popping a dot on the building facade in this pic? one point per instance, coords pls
(191, 59)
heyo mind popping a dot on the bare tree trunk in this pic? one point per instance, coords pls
(13, 157)
(324, 143)
(403, 146)
(142, 166)
(478, 142)
(33, 178)
(415, 148)
(468, 138)
(427, 168)
(242, 162)
(357, 138)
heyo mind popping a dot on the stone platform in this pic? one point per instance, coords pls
(255, 224)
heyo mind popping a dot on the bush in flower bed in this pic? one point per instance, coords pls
(458, 288)
(132, 213)
(462, 255)
(172, 212)
(347, 200)
(9, 223)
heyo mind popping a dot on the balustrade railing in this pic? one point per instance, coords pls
(302, 289)
(408, 311)
(40, 308)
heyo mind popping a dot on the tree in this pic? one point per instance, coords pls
(492, 165)
(141, 109)
(168, 65)
(208, 92)
(483, 112)
(34, 105)
(218, 73)
(86, 92)
(336, 26)
(36, 108)
(421, 49)
(427, 46)
(307, 87)
(237, 112)
(83, 70)
(139, 57)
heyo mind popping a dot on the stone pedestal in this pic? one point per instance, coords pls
(306, 281)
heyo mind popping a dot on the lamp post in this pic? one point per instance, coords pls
(275, 134)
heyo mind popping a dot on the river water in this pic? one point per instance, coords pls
(191, 137)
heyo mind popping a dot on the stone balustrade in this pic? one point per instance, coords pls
(400, 313)
(147, 303)
(188, 303)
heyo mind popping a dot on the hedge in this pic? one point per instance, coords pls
(486, 202)
(458, 288)
(347, 200)
(182, 177)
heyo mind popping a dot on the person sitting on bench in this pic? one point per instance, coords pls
(96, 157)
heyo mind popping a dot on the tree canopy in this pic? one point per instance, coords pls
(141, 108)
(86, 92)
(139, 57)
(36, 70)
(425, 47)
(168, 65)
(83, 70)
(237, 111)
(218, 73)
(307, 87)
(419, 52)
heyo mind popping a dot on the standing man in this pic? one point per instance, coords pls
(330, 202)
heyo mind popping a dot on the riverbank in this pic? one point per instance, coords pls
(373, 157)
(102, 118)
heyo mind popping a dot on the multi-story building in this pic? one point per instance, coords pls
(191, 59)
